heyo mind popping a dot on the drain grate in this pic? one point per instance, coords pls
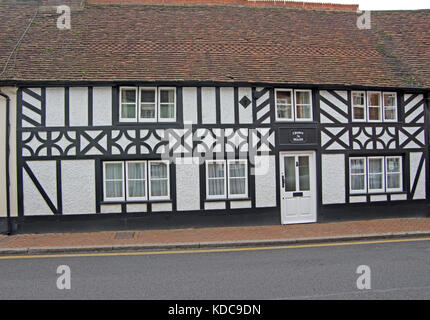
(124, 235)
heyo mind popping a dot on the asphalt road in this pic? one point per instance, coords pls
(398, 271)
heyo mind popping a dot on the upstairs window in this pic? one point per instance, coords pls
(374, 106)
(293, 105)
(147, 104)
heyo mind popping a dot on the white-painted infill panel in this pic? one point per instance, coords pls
(227, 105)
(162, 207)
(78, 186)
(333, 178)
(379, 198)
(55, 107)
(45, 173)
(265, 181)
(102, 106)
(188, 185)
(245, 110)
(190, 104)
(110, 208)
(420, 191)
(216, 205)
(78, 106)
(208, 105)
(137, 207)
(240, 204)
(357, 199)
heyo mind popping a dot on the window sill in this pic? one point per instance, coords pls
(228, 199)
(136, 202)
(376, 193)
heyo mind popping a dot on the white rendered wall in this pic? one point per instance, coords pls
(245, 114)
(208, 105)
(78, 185)
(78, 106)
(227, 105)
(188, 185)
(265, 181)
(55, 107)
(102, 106)
(420, 192)
(45, 173)
(189, 95)
(333, 178)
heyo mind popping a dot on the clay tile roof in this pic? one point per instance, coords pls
(218, 43)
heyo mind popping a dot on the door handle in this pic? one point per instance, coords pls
(283, 181)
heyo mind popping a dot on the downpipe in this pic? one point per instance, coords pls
(8, 219)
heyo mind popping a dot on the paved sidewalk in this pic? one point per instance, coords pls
(213, 237)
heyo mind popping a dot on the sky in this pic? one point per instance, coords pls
(383, 4)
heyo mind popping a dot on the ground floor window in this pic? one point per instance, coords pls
(136, 180)
(226, 179)
(376, 174)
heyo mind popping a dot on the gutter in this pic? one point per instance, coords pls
(8, 219)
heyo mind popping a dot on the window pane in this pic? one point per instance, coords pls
(283, 97)
(375, 165)
(147, 111)
(237, 169)
(167, 96)
(158, 170)
(303, 97)
(357, 166)
(128, 111)
(393, 181)
(158, 188)
(147, 96)
(393, 165)
(128, 95)
(216, 170)
(357, 182)
(374, 113)
(136, 170)
(290, 173)
(136, 188)
(237, 186)
(358, 113)
(113, 171)
(389, 99)
(113, 189)
(374, 99)
(304, 174)
(303, 112)
(390, 113)
(284, 104)
(375, 181)
(216, 187)
(358, 99)
(167, 111)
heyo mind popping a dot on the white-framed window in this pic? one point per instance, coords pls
(159, 179)
(359, 106)
(357, 175)
(375, 170)
(113, 177)
(293, 105)
(128, 104)
(136, 180)
(147, 104)
(394, 177)
(375, 174)
(226, 179)
(389, 100)
(237, 178)
(374, 107)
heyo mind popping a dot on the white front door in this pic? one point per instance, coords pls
(298, 187)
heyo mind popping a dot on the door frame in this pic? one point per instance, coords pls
(313, 183)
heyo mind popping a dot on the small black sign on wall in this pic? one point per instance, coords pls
(297, 136)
